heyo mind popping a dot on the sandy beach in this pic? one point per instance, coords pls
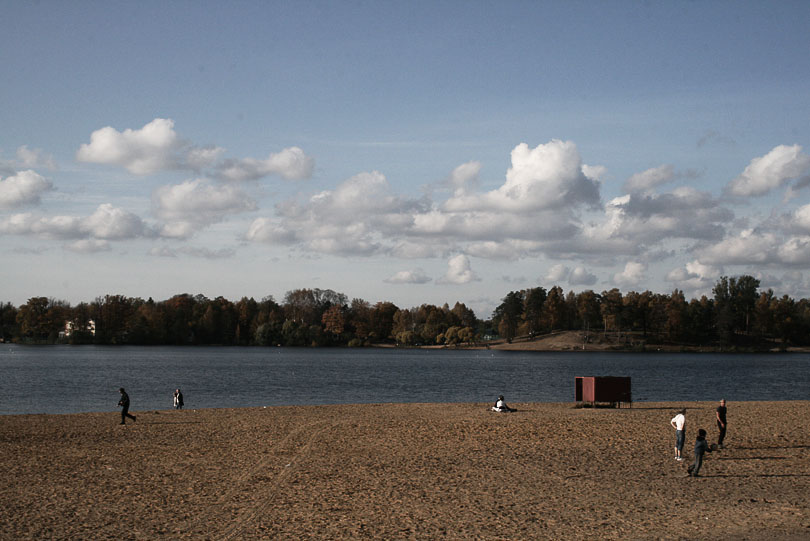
(405, 471)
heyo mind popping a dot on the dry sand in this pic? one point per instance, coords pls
(393, 471)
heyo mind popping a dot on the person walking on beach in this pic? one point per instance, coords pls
(701, 448)
(124, 403)
(178, 399)
(721, 423)
(679, 424)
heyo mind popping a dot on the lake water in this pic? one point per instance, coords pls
(72, 379)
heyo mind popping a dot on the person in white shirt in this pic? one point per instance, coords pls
(679, 424)
(500, 405)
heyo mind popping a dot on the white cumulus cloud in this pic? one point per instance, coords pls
(88, 246)
(109, 222)
(24, 188)
(801, 218)
(291, 163)
(193, 204)
(748, 247)
(459, 271)
(106, 223)
(794, 251)
(557, 274)
(695, 278)
(416, 276)
(464, 178)
(545, 177)
(34, 157)
(633, 274)
(682, 213)
(771, 171)
(142, 152)
(580, 276)
(649, 179)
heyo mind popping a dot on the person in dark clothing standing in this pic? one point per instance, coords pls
(721, 423)
(701, 447)
(178, 399)
(124, 403)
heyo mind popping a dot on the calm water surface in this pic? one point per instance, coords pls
(71, 379)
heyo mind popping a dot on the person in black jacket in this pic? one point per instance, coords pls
(721, 423)
(701, 447)
(124, 403)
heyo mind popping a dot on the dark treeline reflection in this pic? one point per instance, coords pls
(737, 316)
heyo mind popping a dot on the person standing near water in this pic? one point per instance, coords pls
(679, 424)
(721, 423)
(124, 403)
(178, 399)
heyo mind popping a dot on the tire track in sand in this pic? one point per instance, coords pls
(250, 514)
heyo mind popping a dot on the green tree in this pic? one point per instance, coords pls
(9, 329)
(735, 300)
(32, 318)
(534, 299)
(508, 314)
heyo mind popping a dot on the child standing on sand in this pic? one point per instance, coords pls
(701, 447)
(679, 424)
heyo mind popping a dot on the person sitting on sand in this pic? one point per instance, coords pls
(701, 447)
(500, 405)
(679, 424)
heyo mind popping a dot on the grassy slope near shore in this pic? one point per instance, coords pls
(633, 342)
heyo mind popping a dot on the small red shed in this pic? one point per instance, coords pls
(605, 389)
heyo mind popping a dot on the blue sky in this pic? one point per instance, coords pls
(411, 152)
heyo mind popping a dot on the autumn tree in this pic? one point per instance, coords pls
(382, 321)
(246, 321)
(588, 310)
(465, 316)
(555, 309)
(404, 320)
(612, 308)
(334, 321)
(676, 314)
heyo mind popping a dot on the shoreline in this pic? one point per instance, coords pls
(560, 341)
(397, 471)
(637, 404)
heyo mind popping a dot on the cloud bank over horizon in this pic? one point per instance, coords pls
(549, 206)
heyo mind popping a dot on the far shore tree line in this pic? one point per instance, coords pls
(737, 316)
